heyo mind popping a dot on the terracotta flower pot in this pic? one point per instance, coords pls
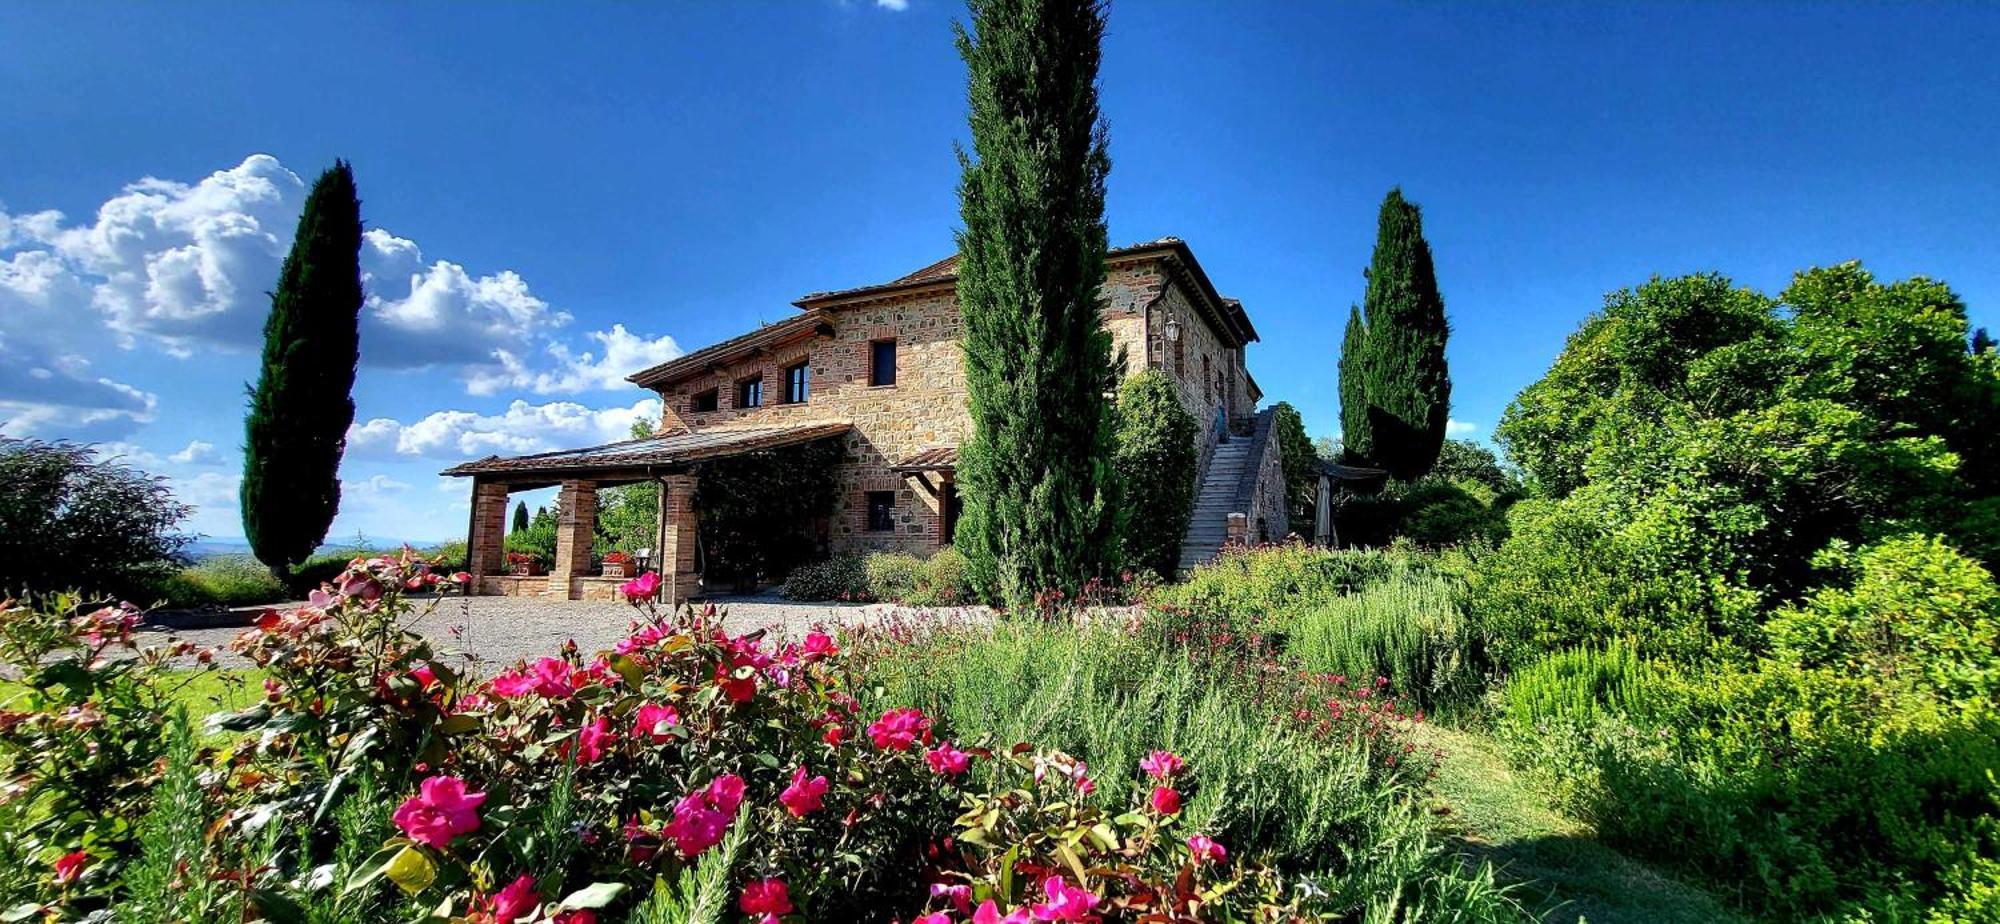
(617, 569)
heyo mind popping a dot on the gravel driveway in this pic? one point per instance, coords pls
(501, 630)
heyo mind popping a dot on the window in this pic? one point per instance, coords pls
(798, 383)
(750, 392)
(703, 402)
(881, 507)
(882, 363)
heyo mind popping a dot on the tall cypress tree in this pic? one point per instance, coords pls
(1395, 392)
(1036, 473)
(303, 402)
(520, 516)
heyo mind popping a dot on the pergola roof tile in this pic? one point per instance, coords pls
(672, 449)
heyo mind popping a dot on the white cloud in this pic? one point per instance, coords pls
(373, 485)
(896, 5)
(1459, 427)
(522, 428)
(197, 453)
(622, 353)
(186, 266)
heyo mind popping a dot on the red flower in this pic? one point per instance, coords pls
(70, 866)
(897, 729)
(1166, 800)
(819, 645)
(767, 897)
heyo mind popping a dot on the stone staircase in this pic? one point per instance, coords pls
(1219, 485)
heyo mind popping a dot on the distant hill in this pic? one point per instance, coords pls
(212, 547)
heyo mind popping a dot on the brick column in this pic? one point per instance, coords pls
(678, 578)
(1238, 530)
(576, 533)
(486, 543)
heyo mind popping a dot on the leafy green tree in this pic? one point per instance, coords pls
(1395, 390)
(1156, 464)
(1036, 473)
(1467, 461)
(302, 404)
(1699, 447)
(1301, 464)
(520, 516)
(69, 520)
(628, 515)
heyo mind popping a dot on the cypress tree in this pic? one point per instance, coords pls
(303, 402)
(1395, 392)
(520, 516)
(1035, 473)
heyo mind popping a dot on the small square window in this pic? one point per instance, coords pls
(703, 402)
(882, 363)
(881, 509)
(750, 392)
(798, 383)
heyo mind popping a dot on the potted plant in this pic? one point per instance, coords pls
(523, 565)
(617, 565)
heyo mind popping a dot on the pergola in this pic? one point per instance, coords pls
(666, 460)
(1351, 479)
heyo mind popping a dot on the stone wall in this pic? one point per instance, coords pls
(1260, 496)
(926, 408)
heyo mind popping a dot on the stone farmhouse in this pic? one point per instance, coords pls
(879, 368)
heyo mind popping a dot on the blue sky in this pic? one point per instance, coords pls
(560, 194)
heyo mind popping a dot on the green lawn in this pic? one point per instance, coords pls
(1557, 864)
(204, 691)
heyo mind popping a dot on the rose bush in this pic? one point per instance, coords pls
(376, 781)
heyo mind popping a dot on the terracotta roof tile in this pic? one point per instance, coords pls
(672, 449)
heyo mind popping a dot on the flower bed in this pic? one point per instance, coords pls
(683, 769)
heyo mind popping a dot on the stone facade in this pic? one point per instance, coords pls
(1159, 308)
(1144, 298)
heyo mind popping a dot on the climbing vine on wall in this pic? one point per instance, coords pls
(760, 511)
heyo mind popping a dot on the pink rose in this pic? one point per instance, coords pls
(1206, 850)
(652, 719)
(643, 587)
(947, 760)
(516, 901)
(441, 810)
(1162, 765)
(897, 729)
(1065, 902)
(1166, 800)
(803, 796)
(594, 741)
(989, 913)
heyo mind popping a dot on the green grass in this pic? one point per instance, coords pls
(1559, 867)
(201, 691)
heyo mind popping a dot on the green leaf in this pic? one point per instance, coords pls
(459, 724)
(594, 895)
(411, 870)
